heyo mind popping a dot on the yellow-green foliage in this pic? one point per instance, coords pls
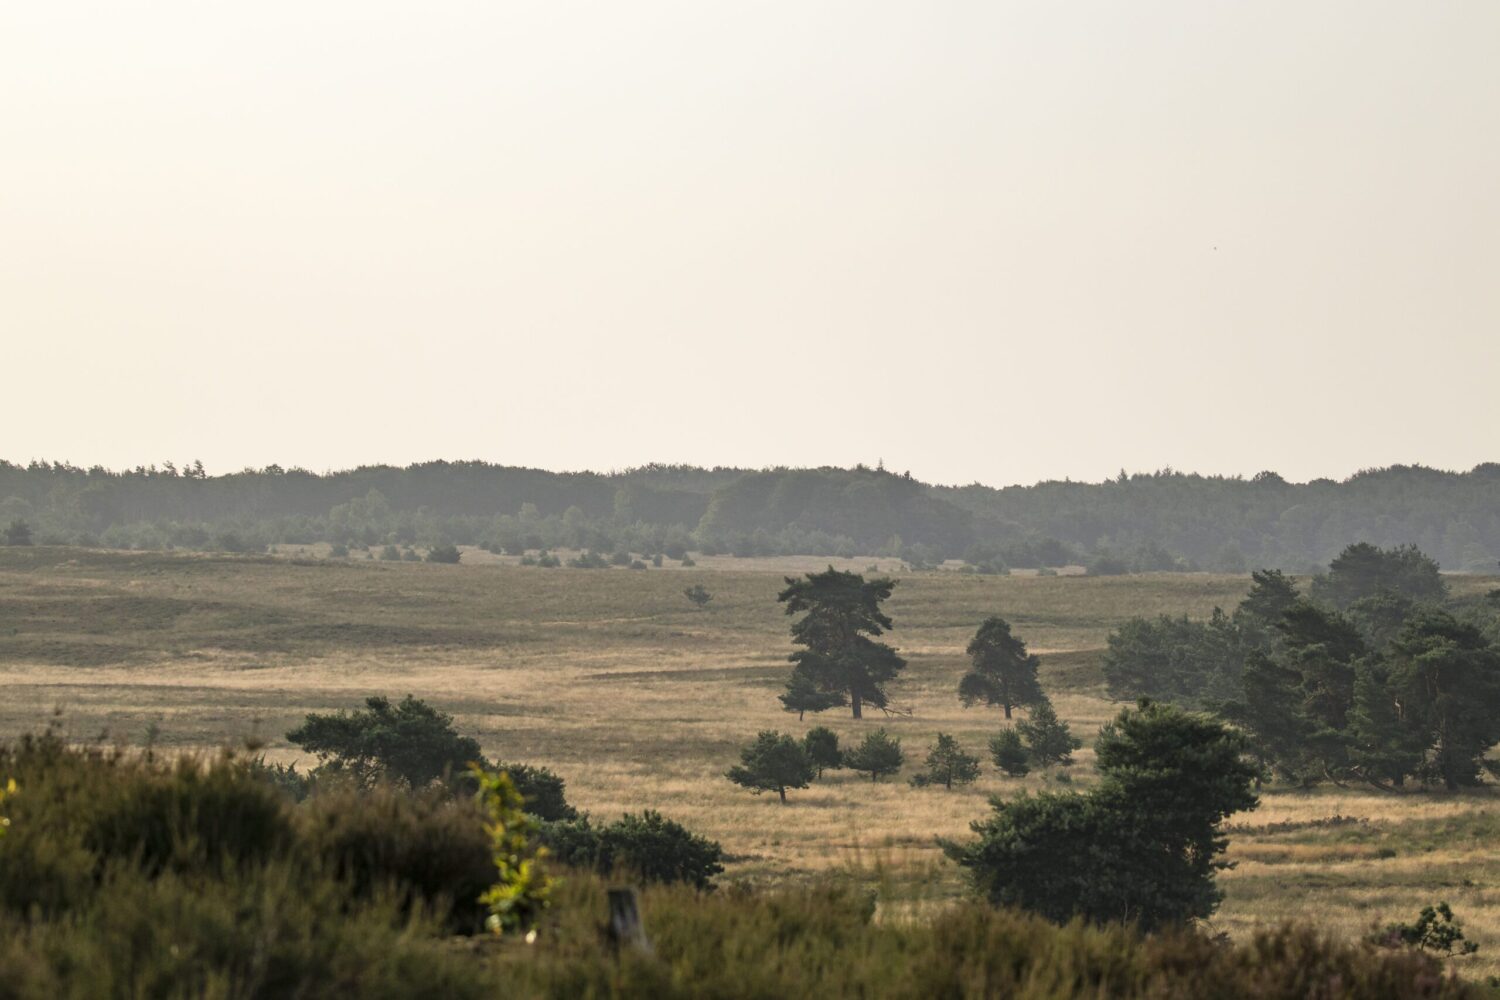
(8, 791)
(521, 890)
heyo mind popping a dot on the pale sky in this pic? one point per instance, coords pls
(982, 241)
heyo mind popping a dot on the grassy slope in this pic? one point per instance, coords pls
(615, 680)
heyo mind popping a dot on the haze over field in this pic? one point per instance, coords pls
(994, 242)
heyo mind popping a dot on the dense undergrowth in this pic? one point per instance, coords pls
(127, 876)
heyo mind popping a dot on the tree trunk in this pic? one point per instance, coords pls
(782, 790)
(1007, 711)
(854, 700)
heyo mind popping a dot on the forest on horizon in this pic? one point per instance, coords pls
(1149, 521)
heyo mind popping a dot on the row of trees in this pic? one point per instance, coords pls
(1374, 674)
(1151, 521)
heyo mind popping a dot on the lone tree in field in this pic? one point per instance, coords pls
(773, 763)
(1003, 673)
(1009, 753)
(842, 613)
(698, 594)
(1048, 739)
(879, 754)
(803, 695)
(948, 765)
(822, 747)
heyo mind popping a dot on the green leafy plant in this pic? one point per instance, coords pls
(521, 890)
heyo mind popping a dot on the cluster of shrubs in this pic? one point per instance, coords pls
(123, 875)
(776, 761)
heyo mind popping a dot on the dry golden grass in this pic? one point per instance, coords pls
(613, 679)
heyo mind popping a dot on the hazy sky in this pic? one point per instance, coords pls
(982, 241)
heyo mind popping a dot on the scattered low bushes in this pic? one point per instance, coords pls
(122, 876)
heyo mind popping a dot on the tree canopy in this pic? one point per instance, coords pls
(841, 615)
(773, 763)
(1002, 672)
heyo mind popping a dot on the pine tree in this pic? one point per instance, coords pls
(773, 763)
(1270, 713)
(1009, 753)
(1383, 746)
(1048, 739)
(1003, 672)
(879, 754)
(948, 765)
(1447, 677)
(803, 695)
(822, 747)
(842, 614)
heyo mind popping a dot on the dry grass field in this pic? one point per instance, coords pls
(613, 679)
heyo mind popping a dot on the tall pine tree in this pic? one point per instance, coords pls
(840, 616)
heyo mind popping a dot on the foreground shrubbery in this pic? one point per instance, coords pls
(123, 876)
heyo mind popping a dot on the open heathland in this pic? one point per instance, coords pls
(641, 698)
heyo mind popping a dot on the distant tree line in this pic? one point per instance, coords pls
(1135, 523)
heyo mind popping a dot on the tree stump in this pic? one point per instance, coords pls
(626, 929)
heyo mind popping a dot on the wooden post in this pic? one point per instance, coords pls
(625, 926)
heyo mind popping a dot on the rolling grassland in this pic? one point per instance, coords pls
(639, 699)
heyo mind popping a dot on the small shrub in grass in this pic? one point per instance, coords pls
(547, 560)
(621, 558)
(338, 550)
(1009, 753)
(443, 554)
(821, 745)
(410, 555)
(647, 846)
(426, 847)
(687, 562)
(947, 764)
(656, 560)
(390, 553)
(660, 850)
(637, 564)
(1048, 739)
(1435, 930)
(589, 560)
(698, 595)
(879, 754)
(773, 763)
